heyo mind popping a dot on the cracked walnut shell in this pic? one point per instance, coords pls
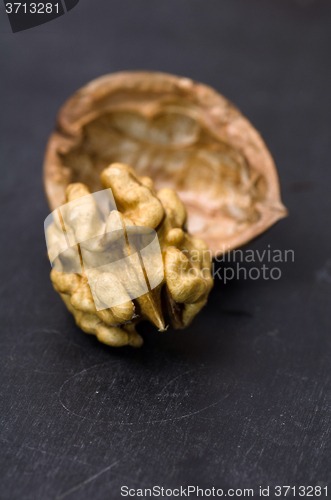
(99, 293)
(181, 134)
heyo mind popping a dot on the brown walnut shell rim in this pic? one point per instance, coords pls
(75, 152)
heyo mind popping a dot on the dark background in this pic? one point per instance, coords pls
(242, 398)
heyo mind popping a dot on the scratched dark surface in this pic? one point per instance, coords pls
(242, 398)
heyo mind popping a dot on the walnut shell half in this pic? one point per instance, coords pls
(182, 134)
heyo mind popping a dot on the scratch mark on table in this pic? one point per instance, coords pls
(87, 481)
(249, 449)
(175, 378)
(76, 375)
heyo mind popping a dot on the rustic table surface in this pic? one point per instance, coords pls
(242, 398)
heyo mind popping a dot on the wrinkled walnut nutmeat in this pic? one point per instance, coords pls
(186, 281)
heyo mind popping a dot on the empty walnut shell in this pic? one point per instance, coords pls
(182, 134)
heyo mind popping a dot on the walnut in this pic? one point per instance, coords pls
(181, 137)
(182, 286)
(184, 136)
